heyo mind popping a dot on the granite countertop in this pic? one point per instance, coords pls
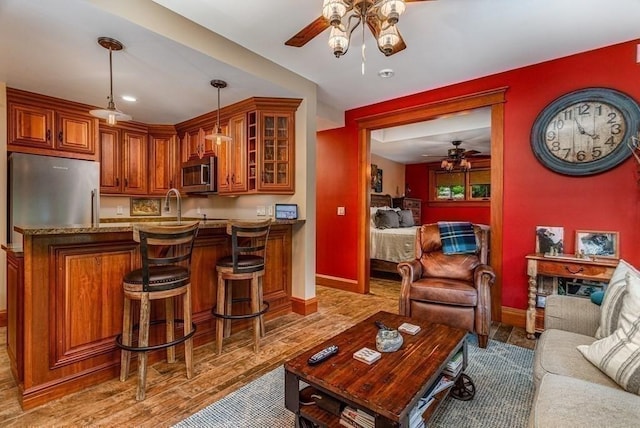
(110, 226)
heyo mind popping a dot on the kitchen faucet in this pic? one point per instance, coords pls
(167, 208)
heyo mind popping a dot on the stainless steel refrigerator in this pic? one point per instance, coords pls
(45, 190)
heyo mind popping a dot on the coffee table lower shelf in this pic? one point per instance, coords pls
(324, 419)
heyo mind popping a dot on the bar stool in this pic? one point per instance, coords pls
(246, 262)
(165, 273)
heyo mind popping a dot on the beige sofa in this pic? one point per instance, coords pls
(570, 391)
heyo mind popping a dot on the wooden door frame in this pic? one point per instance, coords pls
(495, 99)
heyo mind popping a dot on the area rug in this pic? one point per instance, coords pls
(501, 373)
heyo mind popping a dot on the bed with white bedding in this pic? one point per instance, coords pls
(393, 245)
(390, 246)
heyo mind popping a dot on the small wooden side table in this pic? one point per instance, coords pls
(564, 266)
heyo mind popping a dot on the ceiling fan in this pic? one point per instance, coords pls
(362, 11)
(457, 157)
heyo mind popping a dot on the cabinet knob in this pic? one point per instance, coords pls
(60, 136)
(126, 183)
(117, 181)
(48, 135)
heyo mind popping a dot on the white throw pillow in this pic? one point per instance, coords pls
(618, 355)
(613, 297)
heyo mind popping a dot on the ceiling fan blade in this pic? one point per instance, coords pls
(309, 32)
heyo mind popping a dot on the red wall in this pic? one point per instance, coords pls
(533, 195)
(417, 176)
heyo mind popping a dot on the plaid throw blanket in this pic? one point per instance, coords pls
(457, 237)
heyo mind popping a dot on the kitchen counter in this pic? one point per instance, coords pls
(65, 299)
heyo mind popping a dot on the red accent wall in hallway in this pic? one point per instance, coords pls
(533, 195)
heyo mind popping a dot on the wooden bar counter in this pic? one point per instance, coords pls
(64, 300)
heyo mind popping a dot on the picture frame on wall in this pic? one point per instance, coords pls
(374, 175)
(145, 207)
(378, 188)
(596, 243)
(550, 240)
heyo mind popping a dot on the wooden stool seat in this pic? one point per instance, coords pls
(165, 274)
(247, 261)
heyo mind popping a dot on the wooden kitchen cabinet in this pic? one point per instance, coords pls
(261, 157)
(65, 302)
(276, 138)
(232, 157)
(164, 160)
(196, 146)
(50, 126)
(123, 161)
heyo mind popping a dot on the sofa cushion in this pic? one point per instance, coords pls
(618, 355)
(556, 353)
(613, 296)
(563, 401)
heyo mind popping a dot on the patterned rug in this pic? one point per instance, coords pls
(501, 373)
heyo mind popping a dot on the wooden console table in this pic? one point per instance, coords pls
(563, 266)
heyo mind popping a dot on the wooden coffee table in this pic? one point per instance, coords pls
(389, 388)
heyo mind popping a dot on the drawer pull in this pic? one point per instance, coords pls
(568, 269)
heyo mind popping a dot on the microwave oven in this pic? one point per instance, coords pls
(199, 175)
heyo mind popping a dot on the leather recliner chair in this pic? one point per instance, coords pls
(451, 289)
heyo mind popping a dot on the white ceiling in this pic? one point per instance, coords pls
(50, 47)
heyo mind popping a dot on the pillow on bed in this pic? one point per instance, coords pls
(374, 210)
(406, 218)
(387, 219)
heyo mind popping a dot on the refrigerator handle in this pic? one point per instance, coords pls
(94, 208)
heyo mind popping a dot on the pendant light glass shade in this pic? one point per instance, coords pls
(111, 114)
(217, 134)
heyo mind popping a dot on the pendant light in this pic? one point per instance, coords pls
(111, 114)
(217, 135)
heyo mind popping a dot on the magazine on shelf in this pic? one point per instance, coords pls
(415, 416)
(356, 418)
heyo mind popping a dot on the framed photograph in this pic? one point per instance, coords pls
(550, 240)
(374, 175)
(145, 206)
(378, 187)
(598, 243)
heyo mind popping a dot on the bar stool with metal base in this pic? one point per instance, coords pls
(246, 262)
(165, 274)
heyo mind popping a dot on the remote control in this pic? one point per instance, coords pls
(323, 355)
(381, 326)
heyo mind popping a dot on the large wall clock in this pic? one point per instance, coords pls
(586, 131)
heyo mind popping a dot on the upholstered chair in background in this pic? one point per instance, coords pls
(451, 289)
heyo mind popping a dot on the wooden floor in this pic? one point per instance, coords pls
(171, 397)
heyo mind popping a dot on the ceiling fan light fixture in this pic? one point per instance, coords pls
(390, 10)
(338, 41)
(334, 10)
(218, 136)
(111, 114)
(388, 39)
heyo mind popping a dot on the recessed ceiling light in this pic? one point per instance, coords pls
(129, 98)
(386, 73)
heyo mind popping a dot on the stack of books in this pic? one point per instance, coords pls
(454, 366)
(357, 418)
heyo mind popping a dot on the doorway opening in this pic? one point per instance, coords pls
(493, 99)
